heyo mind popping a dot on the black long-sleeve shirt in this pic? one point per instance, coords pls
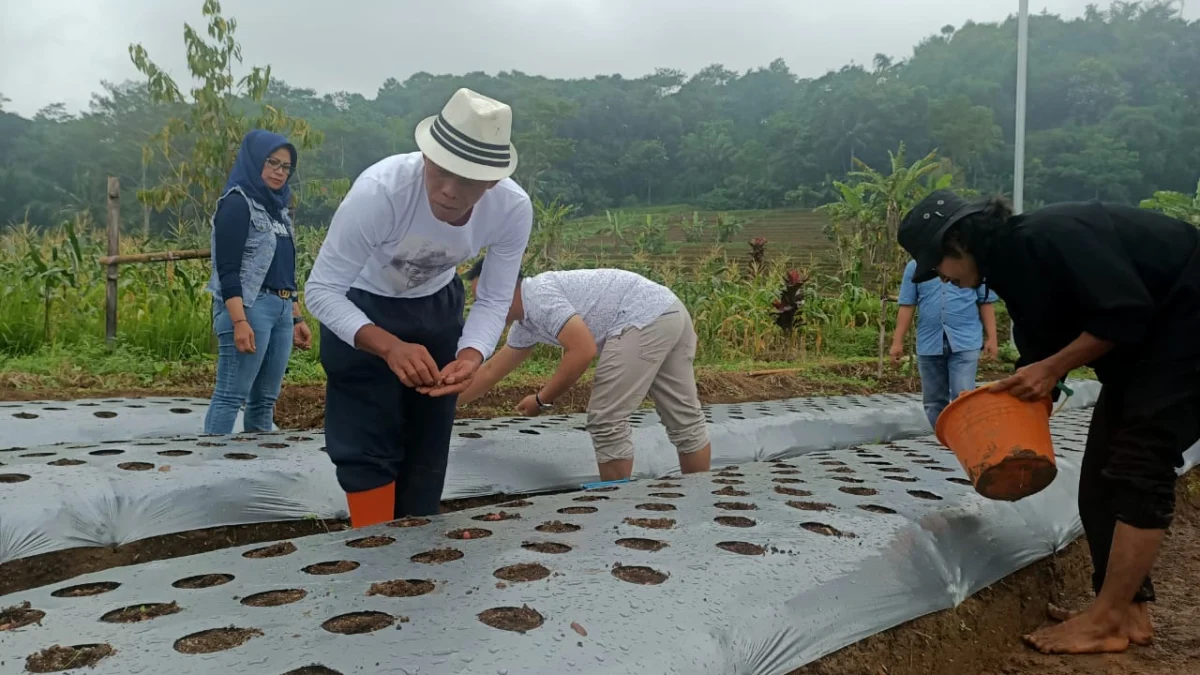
(232, 226)
(1123, 274)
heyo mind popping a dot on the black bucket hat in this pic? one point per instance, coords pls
(924, 229)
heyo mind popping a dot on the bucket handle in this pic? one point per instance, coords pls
(1064, 389)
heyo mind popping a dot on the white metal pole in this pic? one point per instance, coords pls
(1022, 67)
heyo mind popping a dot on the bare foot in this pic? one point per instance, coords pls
(1091, 632)
(1136, 625)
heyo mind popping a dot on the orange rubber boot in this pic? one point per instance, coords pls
(371, 507)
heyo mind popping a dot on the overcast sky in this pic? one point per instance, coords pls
(60, 50)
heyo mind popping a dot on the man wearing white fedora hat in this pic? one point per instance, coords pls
(394, 345)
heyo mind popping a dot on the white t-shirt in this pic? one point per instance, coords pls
(385, 240)
(608, 300)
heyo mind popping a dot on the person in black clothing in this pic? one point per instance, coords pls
(1112, 287)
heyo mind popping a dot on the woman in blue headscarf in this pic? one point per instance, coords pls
(256, 314)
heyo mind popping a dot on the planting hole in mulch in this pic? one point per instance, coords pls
(496, 517)
(730, 474)
(786, 481)
(961, 481)
(85, 590)
(357, 623)
(877, 463)
(13, 478)
(181, 411)
(437, 556)
(735, 521)
(842, 469)
(66, 462)
(331, 567)
(847, 479)
(638, 544)
(59, 658)
(736, 506)
(314, 669)
(786, 472)
(557, 526)
(203, 581)
(827, 530)
(810, 506)
(401, 588)
(19, 616)
(273, 551)
(893, 469)
(409, 522)
(922, 494)
(545, 547)
(664, 485)
(273, 446)
(515, 619)
(516, 505)
(728, 491)
(607, 488)
(210, 444)
(636, 574)
(651, 523)
(741, 547)
(135, 466)
(655, 506)
(730, 468)
(106, 453)
(37, 454)
(792, 492)
(298, 439)
(175, 453)
(667, 495)
(901, 479)
(522, 572)
(875, 508)
(728, 481)
(371, 542)
(832, 463)
(139, 613)
(274, 598)
(240, 455)
(25, 416)
(859, 491)
(105, 414)
(469, 533)
(925, 461)
(942, 469)
(590, 498)
(215, 640)
(575, 510)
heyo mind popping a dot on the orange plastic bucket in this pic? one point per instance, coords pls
(1002, 442)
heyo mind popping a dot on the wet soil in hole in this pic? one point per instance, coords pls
(590, 498)
(203, 581)
(810, 506)
(786, 472)
(728, 481)
(651, 523)
(893, 469)
(357, 623)
(786, 481)
(827, 530)
(961, 481)
(19, 616)
(847, 479)
(240, 455)
(736, 506)
(606, 488)
(545, 547)
(557, 526)
(516, 619)
(901, 479)
(859, 491)
(59, 658)
(274, 598)
(735, 521)
(875, 508)
(273, 551)
(13, 478)
(437, 556)
(922, 494)
(655, 506)
(273, 446)
(371, 542)
(215, 640)
(832, 463)
(106, 453)
(667, 495)
(67, 462)
(174, 453)
(742, 547)
(37, 454)
(730, 468)
(143, 612)
(85, 590)
(522, 572)
(665, 486)
(730, 474)
(639, 544)
(728, 491)
(402, 588)
(314, 669)
(516, 505)
(497, 517)
(636, 574)
(842, 469)
(575, 510)
(792, 492)
(135, 466)
(469, 533)
(210, 444)
(409, 522)
(331, 567)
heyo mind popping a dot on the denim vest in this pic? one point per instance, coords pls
(258, 253)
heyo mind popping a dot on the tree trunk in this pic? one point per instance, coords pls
(882, 332)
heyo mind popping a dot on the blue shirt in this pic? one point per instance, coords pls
(944, 309)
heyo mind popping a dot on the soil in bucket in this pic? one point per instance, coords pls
(1002, 442)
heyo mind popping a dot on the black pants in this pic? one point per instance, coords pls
(376, 429)
(1138, 434)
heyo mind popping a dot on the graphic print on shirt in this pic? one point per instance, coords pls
(279, 229)
(421, 260)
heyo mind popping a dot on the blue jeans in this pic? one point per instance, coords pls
(254, 379)
(944, 377)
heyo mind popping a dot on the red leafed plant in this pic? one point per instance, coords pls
(789, 307)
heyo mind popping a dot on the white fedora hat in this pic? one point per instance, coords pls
(472, 137)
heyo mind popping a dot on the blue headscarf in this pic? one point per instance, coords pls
(246, 174)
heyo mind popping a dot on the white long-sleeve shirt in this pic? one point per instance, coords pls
(385, 240)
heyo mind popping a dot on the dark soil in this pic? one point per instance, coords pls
(516, 505)
(314, 669)
(728, 481)
(58, 658)
(792, 492)
(735, 521)
(331, 567)
(810, 506)
(590, 498)
(67, 462)
(655, 506)
(273, 551)
(522, 572)
(469, 533)
(13, 478)
(357, 623)
(786, 481)
(19, 616)
(651, 523)
(729, 474)
(496, 517)
(174, 453)
(736, 506)
(742, 547)
(922, 494)
(635, 574)
(216, 640)
(576, 510)
(665, 485)
(827, 530)
(402, 588)
(371, 542)
(786, 472)
(545, 547)
(516, 619)
(859, 491)
(557, 526)
(203, 581)
(139, 613)
(961, 481)
(409, 522)
(135, 466)
(642, 544)
(667, 495)
(898, 479)
(84, 590)
(240, 455)
(847, 479)
(875, 508)
(274, 598)
(728, 491)
(437, 556)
